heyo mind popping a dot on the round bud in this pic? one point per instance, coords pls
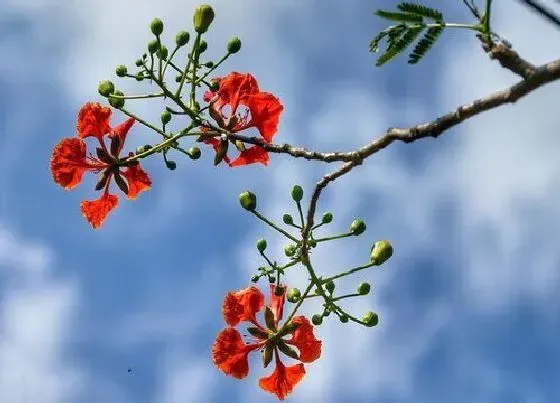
(261, 245)
(182, 38)
(316, 319)
(105, 88)
(370, 319)
(271, 279)
(363, 288)
(288, 219)
(312, 242)
(327, 218)
(153, 46)
(357, 227)
(121, 70)
(214, 85)
(171, 165)
(278, 291)
(294, 295)
(138, 62)
(139, 76)
(156, 26)
(209, 65)
(162, 52)
(194, 153)
(117, 102)
(178, 78)
(248, 201)
(297, 193)
(165, 117)
(202, 47)
(140, 150)
(381, 251)
(290, 250)
(255, 278)
(343, 318)
(329, 285)
(234, 45)
(202, 18)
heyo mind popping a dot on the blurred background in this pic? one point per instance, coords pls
(468, 304)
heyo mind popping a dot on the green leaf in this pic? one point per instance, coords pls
(425, 44)
(398, 46)
(421, 10)
(401, 17)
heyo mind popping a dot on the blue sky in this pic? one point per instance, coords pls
(468, 303)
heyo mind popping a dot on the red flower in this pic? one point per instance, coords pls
(262, 112)
(230, 353)
(69, 161)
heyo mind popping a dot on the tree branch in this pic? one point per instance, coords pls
(543, 11)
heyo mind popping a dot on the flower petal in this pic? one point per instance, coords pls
(304, 339)
(265, 113)
(233, 88)
(138, 181)
(242, 306)
(119, 132)
(283, 379)
(251, 155)
(93, 121)
(68, 162)
(277, 302)
(229, 353)
(96, 211)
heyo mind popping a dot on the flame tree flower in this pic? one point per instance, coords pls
(262, 111)
(70, 160)
(229, 352)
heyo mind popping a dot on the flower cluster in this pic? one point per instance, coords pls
(230, 353)
(70, 160)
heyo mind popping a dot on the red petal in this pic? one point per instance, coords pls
(282, 381)
(138, 181)
(96, 211)
(277, 302)
(250, 156)
(234, 87)
(242, 305)
(304, 339)
(93, 121)
(265, 113)
(229, 353)
(68, 162)
(121, 131)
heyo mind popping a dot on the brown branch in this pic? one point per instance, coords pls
(543, 11)
(508, 58)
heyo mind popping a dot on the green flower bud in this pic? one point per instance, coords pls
(293, 295)
(139, 76)
(255, 278)
(312, 242)
(194, 106)
(143, 148)
(248, 201)
(202, 18)
(297, 193)
(329, 285)
(370, 319)
(381, 251)
(156, 26)
(327, 218)
(209, 65)
(105, 88)
(194, 153)
(290, 250)
(165, 117)
(288, 219)
(271, 279)
(357, 227)
(138, 62)
(171, 165)
(162, 52)
(182, 38)
(202, 47)
(178, 78)
(234, 45)
(261, 245)
(121, 70)
(317, 319)
(214, 85)
(153, 46)
(278, 291)
(117, 102)
(343, 318)
(363, 288)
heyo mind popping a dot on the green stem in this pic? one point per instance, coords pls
(196, 50)
(144, 96)
(187, 67)
(345, 296)
(169, 58)
(300, 214)
(223, 59)
(330, 238)
(270, 223)
(486, 27)
(298, 304)
(351, 271)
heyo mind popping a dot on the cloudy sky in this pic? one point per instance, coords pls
(468, 303)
